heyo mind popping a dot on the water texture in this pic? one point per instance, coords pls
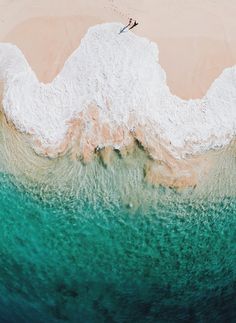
(115, 249)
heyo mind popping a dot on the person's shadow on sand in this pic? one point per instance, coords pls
(130, 25)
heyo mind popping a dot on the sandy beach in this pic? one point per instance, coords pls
(117, 161)
(195, 38)
(196, 43)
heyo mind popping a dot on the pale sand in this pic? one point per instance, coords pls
(196, 38)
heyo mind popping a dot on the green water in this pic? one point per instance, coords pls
(92, 258)
(94, 244)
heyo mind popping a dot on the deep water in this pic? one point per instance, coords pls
(75, 259)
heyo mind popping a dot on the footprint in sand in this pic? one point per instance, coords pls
(115, 9)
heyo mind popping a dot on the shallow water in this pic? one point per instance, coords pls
(99, 244)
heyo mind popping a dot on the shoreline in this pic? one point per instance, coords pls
(93, 105)
(195, 39)
(131, 96)
(199, 52)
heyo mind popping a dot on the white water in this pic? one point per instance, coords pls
(120, 73)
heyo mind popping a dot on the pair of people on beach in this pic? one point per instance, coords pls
(130, 25)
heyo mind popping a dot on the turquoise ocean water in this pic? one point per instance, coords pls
(105, 246)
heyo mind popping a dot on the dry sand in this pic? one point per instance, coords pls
(196, 38)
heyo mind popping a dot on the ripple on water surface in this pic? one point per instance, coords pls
(99, 244)
(111, 248)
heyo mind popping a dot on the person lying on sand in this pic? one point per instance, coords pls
(123, 29)
(135, 24)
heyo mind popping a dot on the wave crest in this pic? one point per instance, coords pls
(119, 75)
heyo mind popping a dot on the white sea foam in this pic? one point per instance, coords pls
(122, 69)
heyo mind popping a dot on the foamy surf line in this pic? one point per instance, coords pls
(110, 92)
